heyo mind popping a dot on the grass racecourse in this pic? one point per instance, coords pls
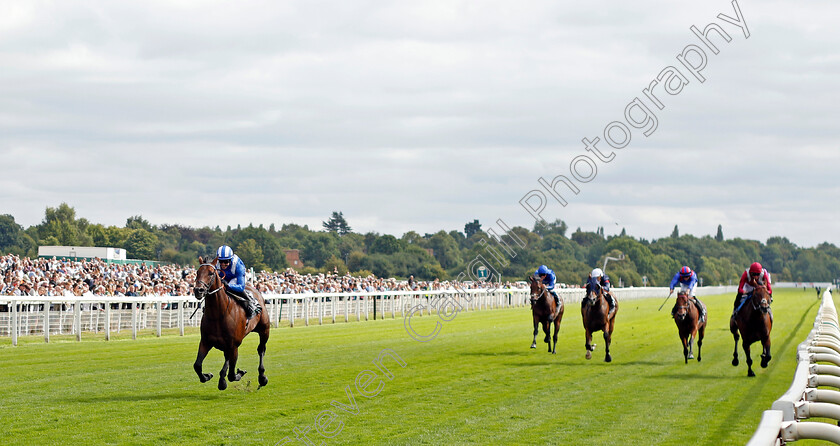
(477, 382)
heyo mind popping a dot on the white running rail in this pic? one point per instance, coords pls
(785, 421)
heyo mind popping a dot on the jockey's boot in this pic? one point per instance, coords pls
(701, 308)
(735, 306)
(557, 300)
(253, 307)
(610, 302)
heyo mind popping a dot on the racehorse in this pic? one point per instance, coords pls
(597, 317)
(545, 311)
(687, 318)
(754, 320)
(223, 324)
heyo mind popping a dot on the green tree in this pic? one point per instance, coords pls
(337, 224)
(251, 254)
(387, 244)
(138, 222)
(10, 233)
(141, 244)
(472, 228)
(318, 247)
(62, 224)
(334, 264)
(446, 249)
(676, 232)
(719, 235)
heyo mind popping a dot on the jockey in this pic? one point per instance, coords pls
(688, 282)
(549, 279)
(752, 277)
(232, 270)
(604, 281)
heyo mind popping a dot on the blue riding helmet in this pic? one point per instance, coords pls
(542, 270)
(224, 252)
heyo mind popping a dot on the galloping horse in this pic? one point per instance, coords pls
(687, 318)
(754, 320)
(597, 317)
(545, 311)
(223, 324)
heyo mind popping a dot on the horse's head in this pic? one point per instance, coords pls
(682, 306)
(761, 299)
(206, 278)
(537, 289)
(593, 291)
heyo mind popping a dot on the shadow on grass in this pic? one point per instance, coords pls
(684, 376)
(524, 352)
(139, 397)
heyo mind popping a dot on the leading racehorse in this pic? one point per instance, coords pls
(545, 311)
(753, 320)
(687, 318)
(597, 317)
(223, 324)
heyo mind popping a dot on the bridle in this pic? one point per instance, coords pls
(536, 297)
(590, 297)
(686, 307)
(202, 289)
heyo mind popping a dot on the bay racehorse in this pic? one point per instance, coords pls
(597, 317)
(753, 320)
(687, 318)
(223, 324)
(545, 311)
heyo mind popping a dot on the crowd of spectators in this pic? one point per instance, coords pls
(95, 277)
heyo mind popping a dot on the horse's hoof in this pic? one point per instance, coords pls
(206, 377)
(608, 358)
(592, 348)
(690, 356)
(241, 372)
(698, 358)
(263, 381)
(588, 355)
(764, 362)
(554, 352)
(222, 384)
(750, 373)
(534, 345)
(735, 362)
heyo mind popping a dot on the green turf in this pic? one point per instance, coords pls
(476, 383)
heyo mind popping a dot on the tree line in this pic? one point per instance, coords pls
(442, 255)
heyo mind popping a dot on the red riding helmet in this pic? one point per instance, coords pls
(685, 271)
(756, 268)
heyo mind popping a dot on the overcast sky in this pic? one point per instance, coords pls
(419, 115)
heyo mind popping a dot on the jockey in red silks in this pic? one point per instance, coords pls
(754, 276)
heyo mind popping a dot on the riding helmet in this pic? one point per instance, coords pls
(685, 271)
(756, 268)
(224, 252)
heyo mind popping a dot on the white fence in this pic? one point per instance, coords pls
(804, 399)
(52, 315)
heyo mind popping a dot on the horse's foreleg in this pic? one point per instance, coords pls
(607, 341)
(589, 346)
(234, 356)
(734, 329)
(684, 342)
(261, 351)
(749, 359)
(203, 349)
(536, 330)
(547, 330)
(223, 372)
(765, 353)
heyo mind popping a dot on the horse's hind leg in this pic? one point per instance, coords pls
(690, 347)
(203, 349)
(554, 338)
(684, 342)
(589, 346)
(765, 353)
(261, 351)
(234, 356)
(701, 333)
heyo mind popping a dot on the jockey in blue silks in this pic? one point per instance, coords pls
(549, 279)
(687, 279)
(232, 271)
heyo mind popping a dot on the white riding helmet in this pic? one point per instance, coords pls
(597, 272)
